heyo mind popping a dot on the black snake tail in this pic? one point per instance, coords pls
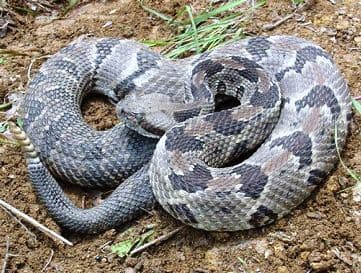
(134, 193)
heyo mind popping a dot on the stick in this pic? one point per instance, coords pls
(6, 257)
(14, 52)
(32, 63)
(156, 241)
(307, 5)
(35, 223)
(272, 26)
(49, 261)
(19, 222)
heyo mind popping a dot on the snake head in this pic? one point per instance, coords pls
(148, 114)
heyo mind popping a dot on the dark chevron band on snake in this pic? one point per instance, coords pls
(291, 98)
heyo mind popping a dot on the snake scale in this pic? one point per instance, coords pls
(211, 168)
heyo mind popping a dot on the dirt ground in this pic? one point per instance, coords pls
(321, 235)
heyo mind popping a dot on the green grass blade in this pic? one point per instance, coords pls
(195, 33)
(152, 43)
(5, 106)
(224, 8)
(156, 13)
(357, 105)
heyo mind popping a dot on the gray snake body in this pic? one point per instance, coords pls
(292, 97)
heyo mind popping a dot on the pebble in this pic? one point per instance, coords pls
(129, 270)
(309, 245)
(279, 250)
(180, 256)
(357, 39)
(109, 234)
(314, 215)
(282, 236)
(282, 269)
(262, 248)
(304, 255)
(321, 266)
(212, 258)
(320, 262)
(344, 195)
(131, 262)
(342, 25)
(333, 186)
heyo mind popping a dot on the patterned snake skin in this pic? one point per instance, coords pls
(292, 97)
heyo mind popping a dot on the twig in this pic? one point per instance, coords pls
(32, 63)
(6, 257)
(49, 261)
(156, 241)
(35, 223)
(15, 52)
(19, 222)
(104, 245)
(272, 26)
(305, 6)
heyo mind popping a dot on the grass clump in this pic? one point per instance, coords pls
(206, 30)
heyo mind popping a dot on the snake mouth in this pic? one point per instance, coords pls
(136, 122)
(153, 130)
(142, 131)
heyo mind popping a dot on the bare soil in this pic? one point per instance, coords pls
(321, 235)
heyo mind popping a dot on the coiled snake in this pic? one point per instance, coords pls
(292, 99)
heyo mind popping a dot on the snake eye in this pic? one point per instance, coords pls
(139, 116)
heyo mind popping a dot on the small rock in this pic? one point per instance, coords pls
(279, 250)
(304, 255)
(341, 11)
(262, 248)
(131, 262)
(139, 266)
(357, 192)
(111, 258)
(320, 262)
(129, 270)
(321, 266)
(32, 243)
(357, 217)
(344, 195)
(314, 215)
(212, 259)
(282, 269)
(309, 245)
(333, 186)
(180, 256)
(342, 25)
(109, 234)
(282, 236)
(108, 24)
